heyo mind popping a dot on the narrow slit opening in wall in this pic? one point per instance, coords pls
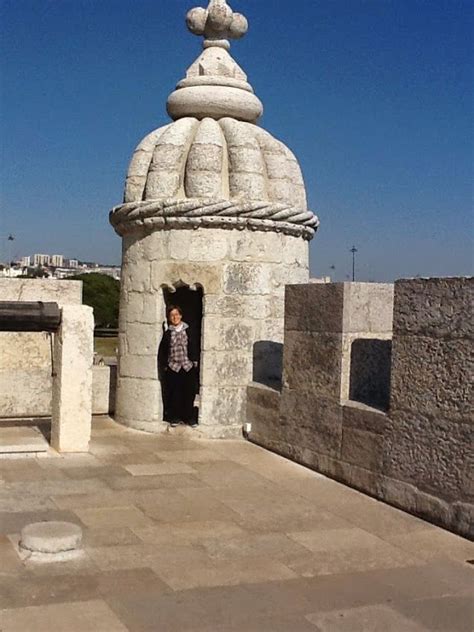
(370, 372)
(190, 300)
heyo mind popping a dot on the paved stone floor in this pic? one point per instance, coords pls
(191, 535)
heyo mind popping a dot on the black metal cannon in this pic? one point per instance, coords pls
(25, 316)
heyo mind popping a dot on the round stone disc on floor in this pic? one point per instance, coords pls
(51, 537)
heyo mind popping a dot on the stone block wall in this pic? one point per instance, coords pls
(25, 357)
(416, 454)
(243, 276)
(430, 431)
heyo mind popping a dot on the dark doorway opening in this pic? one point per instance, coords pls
(189, 299)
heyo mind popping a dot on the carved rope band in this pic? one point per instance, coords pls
(196, 213)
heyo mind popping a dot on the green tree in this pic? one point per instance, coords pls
(101, 292)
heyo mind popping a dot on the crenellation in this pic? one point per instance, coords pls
(408, 437)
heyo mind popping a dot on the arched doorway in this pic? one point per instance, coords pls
(189, 299)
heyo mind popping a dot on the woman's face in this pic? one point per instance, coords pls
(175, 317)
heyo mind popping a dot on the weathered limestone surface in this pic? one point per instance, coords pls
(72, 384)
(316, 310)
(367, 329)
(312, 361)
(331, 323)
(25, 374)
(438, 307)
(243, 305)
(49, 290)
(416, 454)
(25, 357)
(430, 435)
(104, 384)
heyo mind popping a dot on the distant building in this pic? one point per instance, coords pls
(41, 260)
(112, 271)
(11, 273)
(57, 261)
(25, 262)
(73, 263)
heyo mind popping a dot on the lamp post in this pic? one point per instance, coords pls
(353, 250)
(8, 238)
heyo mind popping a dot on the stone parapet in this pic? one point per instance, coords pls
(62, 292)
(26, 357)
(415, 454)
(431, 431)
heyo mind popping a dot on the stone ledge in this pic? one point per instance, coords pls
(362, 417)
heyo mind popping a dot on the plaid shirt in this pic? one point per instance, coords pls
(178, 357)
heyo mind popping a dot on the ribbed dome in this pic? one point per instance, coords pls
(213, 166)
(227, 173)
(222, 160)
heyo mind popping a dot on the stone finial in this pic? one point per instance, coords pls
(218, 23)
(215, 86)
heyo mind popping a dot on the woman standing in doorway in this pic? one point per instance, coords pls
(177, 369)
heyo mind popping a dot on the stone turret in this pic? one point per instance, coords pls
(212, 202)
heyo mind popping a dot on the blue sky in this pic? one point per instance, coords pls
(373, 96)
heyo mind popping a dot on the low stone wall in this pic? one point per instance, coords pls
(26, 363)
(413, 455)
(34, 398)
(104, 384)
(25, 357)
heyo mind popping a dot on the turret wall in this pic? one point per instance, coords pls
(243, 275)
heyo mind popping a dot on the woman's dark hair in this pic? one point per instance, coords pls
(170, 308)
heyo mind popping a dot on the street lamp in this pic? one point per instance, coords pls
(9, 255)
(353, 250)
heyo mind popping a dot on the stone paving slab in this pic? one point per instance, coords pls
(189, 535)
(14, 521)
(73, 617)
(22, 439)
(364, 619)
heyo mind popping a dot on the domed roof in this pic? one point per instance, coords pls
(213, 166)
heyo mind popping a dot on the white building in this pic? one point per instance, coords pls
(73, 263)
(11, 273)
(41, 260)
(25, 262)
(57, 261)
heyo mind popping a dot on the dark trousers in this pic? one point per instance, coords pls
(180, 389)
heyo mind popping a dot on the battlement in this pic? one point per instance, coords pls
(376, 392)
